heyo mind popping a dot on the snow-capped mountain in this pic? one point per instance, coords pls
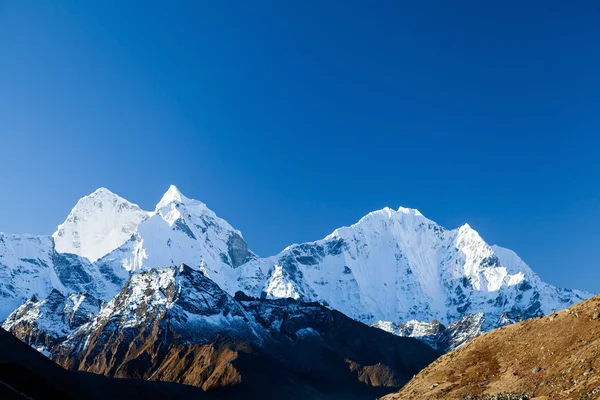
(185, 231)
(25, 270)
(105, 238)
(98, 224)
(180, 231)
(398, 266)
(392, 266)
(101, 295)
(30, 267)
(175, 324)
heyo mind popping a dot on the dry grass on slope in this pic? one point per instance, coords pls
(552, 357)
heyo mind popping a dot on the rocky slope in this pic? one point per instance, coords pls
(554, 356)
(25, 374)
(176, 325)
(46, 323)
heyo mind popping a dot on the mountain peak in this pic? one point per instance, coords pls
(467, 231)
(391, 213)
(99, 223)
(100, 191)
(411, 211)
(186, 293)
(172, 195)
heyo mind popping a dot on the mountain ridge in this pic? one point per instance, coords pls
(174, 324)
(458, 273)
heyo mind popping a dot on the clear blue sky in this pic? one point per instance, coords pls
(292, 118)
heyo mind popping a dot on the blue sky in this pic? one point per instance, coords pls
(290, 119)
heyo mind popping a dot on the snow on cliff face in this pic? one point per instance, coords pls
(35, 265)
(397, 265)
(183, 231)
(30, 266)
(25, 270)
(280, 286)
(174, 298)
(46, 323)
(98, 224)
(179, 290)
(106, 238)
(179, 231)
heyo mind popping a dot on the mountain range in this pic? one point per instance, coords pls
(390, 268)
(175, 294)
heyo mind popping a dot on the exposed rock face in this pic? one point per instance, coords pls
(554, 356)
(239, 253)
(152, 312)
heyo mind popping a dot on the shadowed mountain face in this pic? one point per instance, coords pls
(176, 325)
(554, 356)
(27, 374)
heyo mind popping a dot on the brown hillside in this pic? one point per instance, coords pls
(27, 374)
(551, 357)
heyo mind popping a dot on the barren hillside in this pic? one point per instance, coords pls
(556, 357)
